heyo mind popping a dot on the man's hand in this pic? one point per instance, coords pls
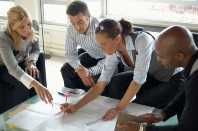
(85, 76)
(111, 114)
(152, 117)
(32, 70)
(42, 92)
(68, 108)
(129, 126)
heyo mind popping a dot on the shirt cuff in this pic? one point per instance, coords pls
(75, 64)
(139, 80)
(26, 80)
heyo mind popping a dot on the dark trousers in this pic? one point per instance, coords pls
(152, 93)
(71, 78)
(12, 91)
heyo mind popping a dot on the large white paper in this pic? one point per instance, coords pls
(44, 109)
(26, 120)
(78, 121)
(44, 117)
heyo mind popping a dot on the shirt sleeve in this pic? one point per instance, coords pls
(144, 46)
(11, 64)
(188, 120)
(97, 69)
(175, 106)
(71, 53)
(109, 68)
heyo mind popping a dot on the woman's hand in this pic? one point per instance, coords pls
(32, 70)
(42, 92)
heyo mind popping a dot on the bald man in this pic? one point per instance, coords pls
(175, 47)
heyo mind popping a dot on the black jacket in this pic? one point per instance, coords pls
(187, 99)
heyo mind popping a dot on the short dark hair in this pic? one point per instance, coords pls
(77, 7)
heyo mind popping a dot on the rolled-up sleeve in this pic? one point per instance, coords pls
(144, 46)
(109, 68)
(97, 69)
(12, 65)
(71, 53)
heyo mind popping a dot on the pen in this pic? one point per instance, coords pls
(60, 93)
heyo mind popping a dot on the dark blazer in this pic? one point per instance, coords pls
(186, 100)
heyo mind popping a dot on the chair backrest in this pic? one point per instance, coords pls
(138, 28)
(195, 37)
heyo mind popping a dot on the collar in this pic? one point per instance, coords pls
(129, 43)
(90, 26)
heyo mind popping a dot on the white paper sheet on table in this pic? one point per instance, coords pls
(40, 116)
(91, 112)
(78, 121)
(32, 116)
(26, 120)
(44, 109)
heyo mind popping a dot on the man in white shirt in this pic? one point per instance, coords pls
(81, 71)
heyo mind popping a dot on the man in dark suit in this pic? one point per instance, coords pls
(175, 47)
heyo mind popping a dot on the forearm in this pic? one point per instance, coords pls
(92, 94)
(130, 93)
(34, 83)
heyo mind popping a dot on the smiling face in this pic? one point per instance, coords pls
(23, 28)
(80, 22)
(109, 45)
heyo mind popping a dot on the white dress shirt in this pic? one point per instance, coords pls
(87, 42)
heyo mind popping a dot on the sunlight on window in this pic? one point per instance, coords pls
(154, 11)
(4, 7)
(94, 7)
(56, 13)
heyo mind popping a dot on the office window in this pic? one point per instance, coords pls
(55, 10)
(155, 12)
(4, 7)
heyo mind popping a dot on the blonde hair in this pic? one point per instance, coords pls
(15, 15)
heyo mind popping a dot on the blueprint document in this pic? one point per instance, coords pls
(26, 120)
(44, 117)
(86, 119)
(89, 117)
